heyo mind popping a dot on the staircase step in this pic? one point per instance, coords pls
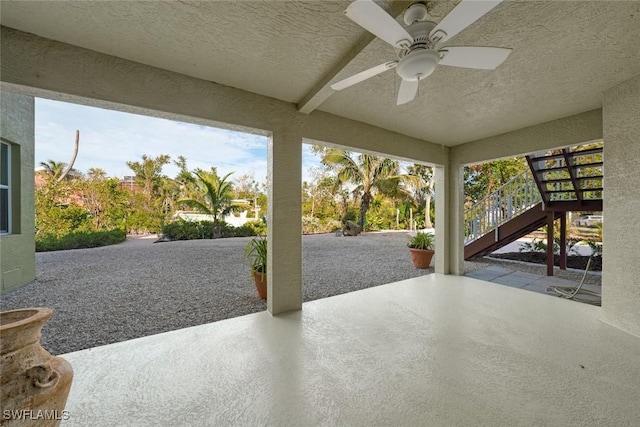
(580, 178)
(587, 165)
(569, 153)
(574, 167)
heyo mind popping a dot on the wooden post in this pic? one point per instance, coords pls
(563, 241)
(550, 243)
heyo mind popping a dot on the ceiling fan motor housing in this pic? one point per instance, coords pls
(415, 13)
(420, 32)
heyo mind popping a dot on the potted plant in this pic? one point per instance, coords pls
(256, 252)
(421, 248)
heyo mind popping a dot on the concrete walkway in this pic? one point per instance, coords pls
(523, 280)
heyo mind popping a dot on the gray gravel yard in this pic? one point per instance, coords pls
(139, 288)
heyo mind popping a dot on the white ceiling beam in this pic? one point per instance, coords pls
(322, 90)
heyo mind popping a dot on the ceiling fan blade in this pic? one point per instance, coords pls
(464, 14)
(377, 21)
(364, 75)
(408, 91)
(482, 58)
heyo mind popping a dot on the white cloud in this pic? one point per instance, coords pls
(108, 139)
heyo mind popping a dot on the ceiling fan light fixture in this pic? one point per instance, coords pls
(418, 64)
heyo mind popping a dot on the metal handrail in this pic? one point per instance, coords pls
(510, 200)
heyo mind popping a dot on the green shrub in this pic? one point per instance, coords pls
(189, 230)
(144, 222)
(251, 228)
(226, 230)
(78, 240)
(63, 219)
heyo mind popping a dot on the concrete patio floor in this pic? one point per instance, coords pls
(433, 350)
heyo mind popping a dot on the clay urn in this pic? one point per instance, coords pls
(34, 384)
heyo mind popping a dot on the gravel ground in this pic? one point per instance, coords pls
(138, 288)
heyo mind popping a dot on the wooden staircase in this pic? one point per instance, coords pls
(557, 182)
(569, 180)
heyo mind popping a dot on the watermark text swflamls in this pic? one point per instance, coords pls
(35, 415)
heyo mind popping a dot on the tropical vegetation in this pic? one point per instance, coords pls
(79, 240)
(362, 189)
(373, 192)
(215, 197)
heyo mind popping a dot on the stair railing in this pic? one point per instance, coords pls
(515, 197)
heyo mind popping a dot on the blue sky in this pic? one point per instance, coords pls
(110, 138)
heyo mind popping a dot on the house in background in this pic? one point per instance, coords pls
(573, 77)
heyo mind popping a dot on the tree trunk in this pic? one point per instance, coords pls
(73, 158)
(427, 202)
(216, 228)
(364, 207)
(427, 213)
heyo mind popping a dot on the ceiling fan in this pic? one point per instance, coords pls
(418, 44)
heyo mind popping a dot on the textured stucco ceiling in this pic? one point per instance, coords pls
(566, 53)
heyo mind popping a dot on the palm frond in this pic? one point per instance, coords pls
(196, 205)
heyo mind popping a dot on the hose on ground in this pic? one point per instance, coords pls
(577, 293)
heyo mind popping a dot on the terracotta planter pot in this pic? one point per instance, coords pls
(421, 258)
(35, 384)
(261, 283)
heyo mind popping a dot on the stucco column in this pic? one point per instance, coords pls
(284, 248)
(449, 194)
(621, 204)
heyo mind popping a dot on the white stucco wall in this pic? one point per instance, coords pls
(621, 262)
(564, 132)
(17, 250)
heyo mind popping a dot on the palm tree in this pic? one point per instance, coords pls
(53, 168)
(96, 174)
(370, 174)
(215, 197)
(62, 170)
(56, 170)
(424, 190)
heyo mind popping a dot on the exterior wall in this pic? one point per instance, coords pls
(572, 130)
(17, 250)
(621, 263)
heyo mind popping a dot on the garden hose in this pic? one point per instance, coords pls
(578, 294)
